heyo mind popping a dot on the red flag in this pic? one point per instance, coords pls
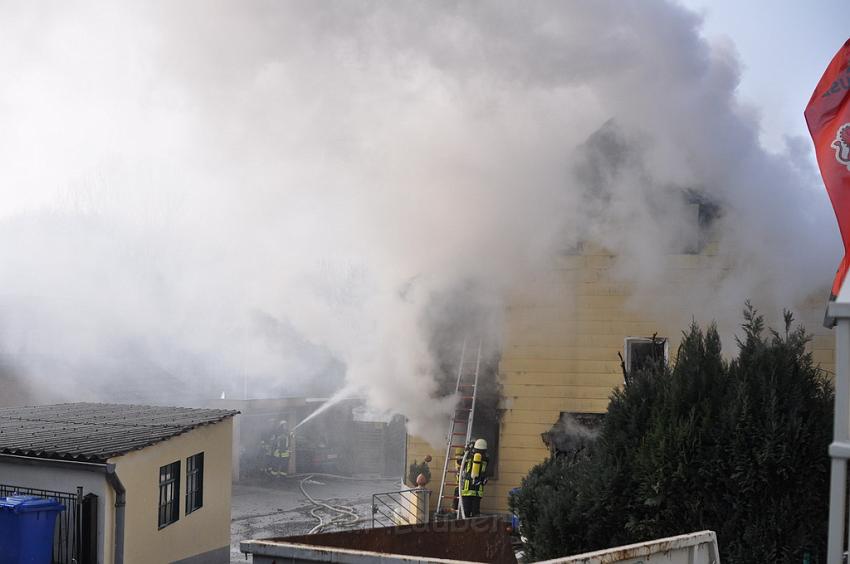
(828, 118)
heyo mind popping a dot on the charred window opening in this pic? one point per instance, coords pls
(701, 216)
(487, 421)
(644, 352)
(572, 433)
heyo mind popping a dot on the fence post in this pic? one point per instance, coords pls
(422, 498)
(403, 507)
(78, 522)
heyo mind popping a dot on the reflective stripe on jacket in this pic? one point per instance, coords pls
(281, 446)
(474, 476)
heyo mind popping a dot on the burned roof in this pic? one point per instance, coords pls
(95, 432)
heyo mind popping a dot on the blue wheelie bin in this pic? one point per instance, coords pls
(514, 516)
(26, 529)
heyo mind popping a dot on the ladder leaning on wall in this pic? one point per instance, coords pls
(460, 425)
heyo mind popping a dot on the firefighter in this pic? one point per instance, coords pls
(277, 451)
(458, 462)
(473, 478)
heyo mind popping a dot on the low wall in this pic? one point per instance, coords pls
(416, 510)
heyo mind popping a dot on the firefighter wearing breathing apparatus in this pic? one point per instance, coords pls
(277, 451)
(473, 478)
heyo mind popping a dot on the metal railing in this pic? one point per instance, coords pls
(403, 507)
(75, 536)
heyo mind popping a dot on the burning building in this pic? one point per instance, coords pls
(282, 215)
(567, 338)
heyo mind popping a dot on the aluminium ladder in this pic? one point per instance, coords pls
(460, 425)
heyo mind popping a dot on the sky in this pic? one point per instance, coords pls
(784, 47)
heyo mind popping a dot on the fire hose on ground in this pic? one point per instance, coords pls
(347, 516)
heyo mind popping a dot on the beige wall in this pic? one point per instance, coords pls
(201, 531)
(559, 353)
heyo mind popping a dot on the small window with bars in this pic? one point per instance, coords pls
(169, 494)
(194, 482)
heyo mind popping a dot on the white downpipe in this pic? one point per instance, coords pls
(839, 450)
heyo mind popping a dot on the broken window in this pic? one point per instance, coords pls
(643, 352)
(700, 215)
(572, 432)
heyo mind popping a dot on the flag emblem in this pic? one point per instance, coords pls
(842, 145)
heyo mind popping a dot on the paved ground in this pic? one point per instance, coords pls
(278, 508)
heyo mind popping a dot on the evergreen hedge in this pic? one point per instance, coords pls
(738, 447)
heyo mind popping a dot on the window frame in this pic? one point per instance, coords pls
(194, 483)
(166, 504)
(627, 360)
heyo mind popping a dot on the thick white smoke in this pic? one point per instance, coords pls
(268, 195)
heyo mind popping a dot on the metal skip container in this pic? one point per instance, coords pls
(483, 539)
(693, 548)
(26, 529)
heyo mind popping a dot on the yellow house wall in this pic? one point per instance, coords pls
(203, 530)
(559, 353)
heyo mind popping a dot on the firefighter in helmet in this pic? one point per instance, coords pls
(277, 451)
(473, 478)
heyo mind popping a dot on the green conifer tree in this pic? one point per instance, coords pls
(739, 448)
